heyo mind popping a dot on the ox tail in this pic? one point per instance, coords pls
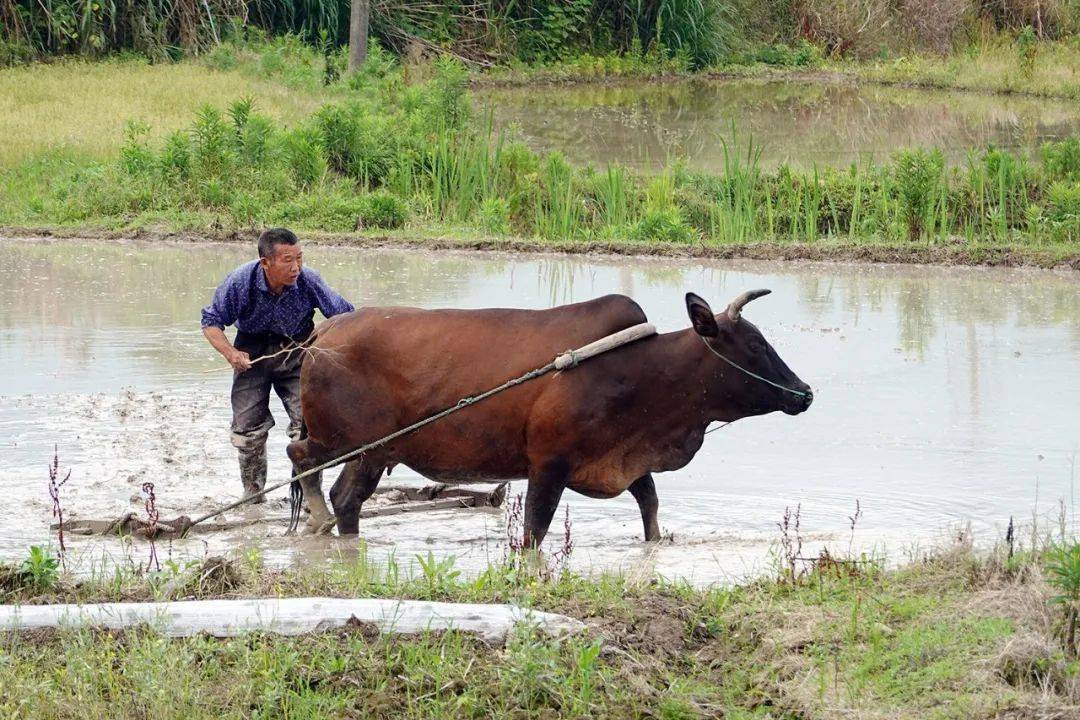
(297, 452)
(296, 502)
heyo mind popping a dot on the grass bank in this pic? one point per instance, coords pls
(1048, 69)
(954, 634)
(396, 150)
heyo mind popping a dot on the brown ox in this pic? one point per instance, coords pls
(599, 429)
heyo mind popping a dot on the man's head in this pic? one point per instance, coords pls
(280, 256)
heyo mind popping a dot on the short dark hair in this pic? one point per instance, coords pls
(270, 239)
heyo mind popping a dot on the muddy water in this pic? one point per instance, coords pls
(801, 123)
(944, 396)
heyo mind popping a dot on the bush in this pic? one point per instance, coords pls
(494, 215)
(357, 142)
(1063, 204)
(383, 210)
(1061, 159)
(304, 156)
(918, 177)
(663, 225)
(801, 54)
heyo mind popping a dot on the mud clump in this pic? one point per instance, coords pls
(11, 580)
(213, 577)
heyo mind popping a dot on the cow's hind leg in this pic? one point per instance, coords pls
(306, 454)
(644, 491)
(356, 483)
(542, 497)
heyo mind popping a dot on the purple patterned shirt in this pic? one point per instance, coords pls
(244, 298)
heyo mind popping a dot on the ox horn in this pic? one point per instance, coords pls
(736, 306)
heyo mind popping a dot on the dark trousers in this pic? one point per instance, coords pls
(252, 420)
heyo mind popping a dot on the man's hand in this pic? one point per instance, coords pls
(239, 359)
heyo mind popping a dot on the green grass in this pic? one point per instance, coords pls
(994, 66)
(378, 153)
(78, 109)
(934, 639)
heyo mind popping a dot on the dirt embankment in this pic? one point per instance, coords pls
(959, 253)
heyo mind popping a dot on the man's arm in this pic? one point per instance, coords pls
(328, 301)
(221, 312)
(239, 359)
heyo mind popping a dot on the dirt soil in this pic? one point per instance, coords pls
(959, 253)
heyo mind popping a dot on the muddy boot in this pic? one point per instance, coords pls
(253, 471)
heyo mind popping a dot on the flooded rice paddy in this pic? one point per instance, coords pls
(805, 124)
(943, 397)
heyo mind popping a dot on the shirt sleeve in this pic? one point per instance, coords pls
(223, 307)
(328, 301)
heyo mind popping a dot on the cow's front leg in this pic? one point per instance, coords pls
(644, 491)
(542, 497)
(354, 485)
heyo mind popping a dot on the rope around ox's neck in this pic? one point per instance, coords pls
(751, 374)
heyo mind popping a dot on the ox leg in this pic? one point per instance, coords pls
(307, 454)
(541, 498)
(644, 491)
(356, 483)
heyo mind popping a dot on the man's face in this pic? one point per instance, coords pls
(284, 267)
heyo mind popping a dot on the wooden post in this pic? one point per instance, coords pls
(358, 32)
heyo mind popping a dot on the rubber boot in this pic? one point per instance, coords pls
(253, 471)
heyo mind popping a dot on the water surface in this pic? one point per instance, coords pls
(943, 397)
(801, 123)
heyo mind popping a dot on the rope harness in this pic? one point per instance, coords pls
(751, 374)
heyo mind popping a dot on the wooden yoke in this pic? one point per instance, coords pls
(570, 358)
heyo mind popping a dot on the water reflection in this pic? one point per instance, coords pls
(937, 391)
(648, 125)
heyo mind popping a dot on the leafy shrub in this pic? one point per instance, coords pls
(175, 158)
(357, 143)
(135, 157)
(383, 210)
(40, 569)
(1063, 203)
(1061, 159)
(212, 143)
(918, 177)
(494, 215)
(304, 156)
(663, 225)
(1063, 567)
(801, 54)
(445, 102)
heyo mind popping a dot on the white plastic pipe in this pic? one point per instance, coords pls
(287, 616)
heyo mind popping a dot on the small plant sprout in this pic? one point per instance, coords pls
(790, 542)
(40, 568)
(152, 515)
(854, 519)
(58, 510)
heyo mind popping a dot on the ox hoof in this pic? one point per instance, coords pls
(319, 527)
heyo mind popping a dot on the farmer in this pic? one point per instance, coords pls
(272, 301)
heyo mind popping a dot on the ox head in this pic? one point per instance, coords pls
(739, 346)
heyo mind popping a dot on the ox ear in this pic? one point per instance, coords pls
(701, 316)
